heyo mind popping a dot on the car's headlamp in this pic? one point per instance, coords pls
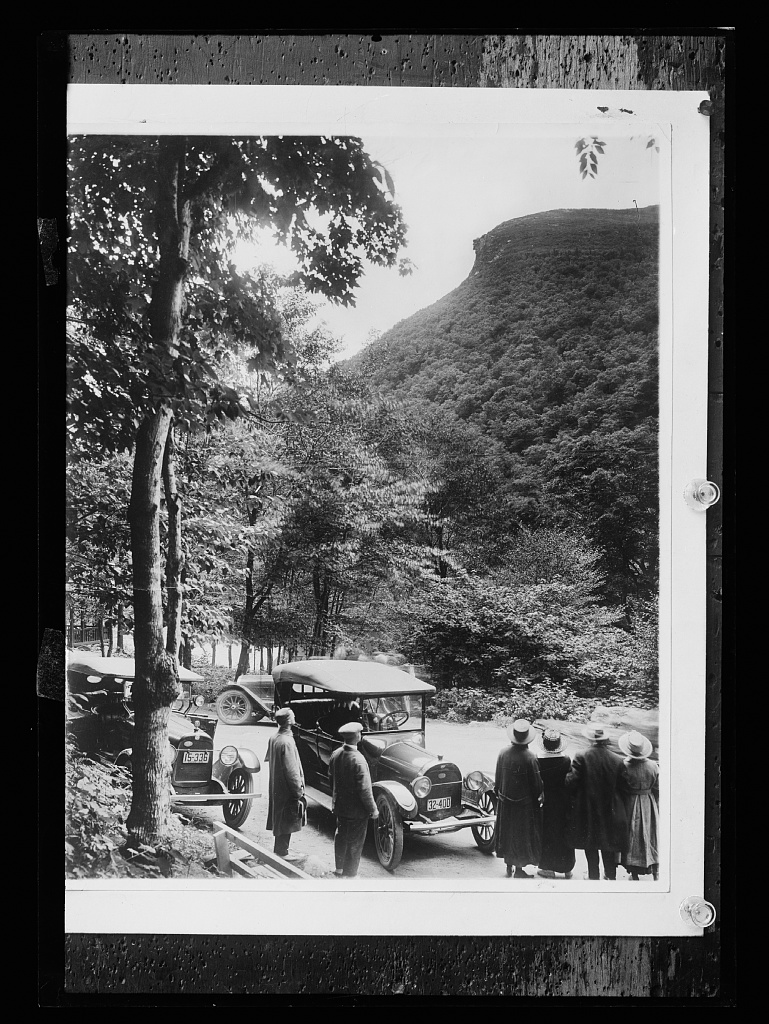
(421, 786)
(228, 755)
(474, 780)
(172, 753)
(126, 689)
(199, 701)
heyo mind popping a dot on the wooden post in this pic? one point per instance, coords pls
(213, 654)
(222, 848)
(229, 656)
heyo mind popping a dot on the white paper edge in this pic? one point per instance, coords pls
(430, 907)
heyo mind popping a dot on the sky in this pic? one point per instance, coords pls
(453, 190)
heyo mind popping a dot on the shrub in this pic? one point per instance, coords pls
(215, 679)
(531, 701)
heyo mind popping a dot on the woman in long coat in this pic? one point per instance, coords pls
(518, 787)
(285, 813)
(557, 845)
(642, 804)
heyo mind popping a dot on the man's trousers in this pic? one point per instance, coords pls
(349, 838)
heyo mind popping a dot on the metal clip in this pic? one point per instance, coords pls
(706, 107)
(701, 494)
(697, 911)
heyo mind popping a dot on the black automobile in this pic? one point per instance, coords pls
(415, 791)
(250, 699)
(100, 718)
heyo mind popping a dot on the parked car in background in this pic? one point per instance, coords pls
(100, 719)
(250, 699)
(416, 792)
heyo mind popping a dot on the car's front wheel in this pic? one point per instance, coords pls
(388, 832)
(236, 811)
(233, 707)
(484, 834)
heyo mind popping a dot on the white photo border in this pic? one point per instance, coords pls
(482, 907)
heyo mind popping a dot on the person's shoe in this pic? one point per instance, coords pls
(546, 873)
(520, 873)
(567, 874)
(509, 871)
(338, 874)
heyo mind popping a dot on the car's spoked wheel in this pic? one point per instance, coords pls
(484, 834)
(232, 707)
(388, 832)
(236, 811)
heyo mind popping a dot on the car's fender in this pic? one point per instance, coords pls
(405, 799)
(250, 760)
(123, 757)
(247, 689)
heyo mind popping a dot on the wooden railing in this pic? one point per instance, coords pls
(228, 861)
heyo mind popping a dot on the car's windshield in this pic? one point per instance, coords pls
(391, 713)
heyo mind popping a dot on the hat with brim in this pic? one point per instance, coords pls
(551, 741)
(521, 733)
(596, 733)
(635, 745)
(351, 729)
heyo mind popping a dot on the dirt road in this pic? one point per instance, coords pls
(452, 855)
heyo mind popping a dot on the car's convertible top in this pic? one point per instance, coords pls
(352, 678)
(120, 668)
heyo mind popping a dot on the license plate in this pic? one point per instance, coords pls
(195, 756)
(439, 803)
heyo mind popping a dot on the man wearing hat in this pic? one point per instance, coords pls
(352, 800)
(598, 782)
(287, 806)
(518, 787)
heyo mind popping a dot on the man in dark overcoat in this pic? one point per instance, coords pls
(519, 791)
(597, 783)
(352, 800)
(285, 813)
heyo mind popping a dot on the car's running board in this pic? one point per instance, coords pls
(448, 824)
(324, 799)
(211, 798)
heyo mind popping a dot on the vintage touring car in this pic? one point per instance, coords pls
(100, 718)
(248, 700)
(416, 792)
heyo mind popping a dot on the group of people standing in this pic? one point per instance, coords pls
(352, 795)
(549, 805)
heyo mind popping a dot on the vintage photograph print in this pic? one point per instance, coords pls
(369, 543)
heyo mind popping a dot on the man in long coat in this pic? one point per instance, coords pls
(352, 800)
(519, 791)
(285, 814)
(597, 782)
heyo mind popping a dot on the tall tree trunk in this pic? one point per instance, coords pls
(229, 656)
(120, 629)
(244, 660)
(174, 554)
(213, 654)
(156, 682)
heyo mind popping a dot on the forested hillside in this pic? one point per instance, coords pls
(548, 351)
(475, 492)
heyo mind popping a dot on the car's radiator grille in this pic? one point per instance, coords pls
(446, 787)
(194, 760)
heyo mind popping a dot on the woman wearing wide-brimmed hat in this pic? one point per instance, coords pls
(597, 784)
(642, 803)
(557, 845)
(518, 786)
